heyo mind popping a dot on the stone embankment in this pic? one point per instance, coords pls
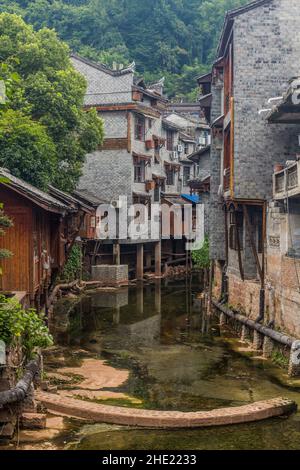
(165, 419)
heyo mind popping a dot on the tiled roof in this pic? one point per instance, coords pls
(104, 68)
(31, 192)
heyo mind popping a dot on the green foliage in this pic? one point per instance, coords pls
(72, 268)
(25, 327)
(280, 359)
(162, 36)
(201, 257)
(44, 132)
(26, 148)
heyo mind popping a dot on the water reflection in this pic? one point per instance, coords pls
(134, 315)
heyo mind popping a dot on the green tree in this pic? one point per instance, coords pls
(162, 36)
(44, 132)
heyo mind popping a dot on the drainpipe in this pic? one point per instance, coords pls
(281, 338)
(20, 391)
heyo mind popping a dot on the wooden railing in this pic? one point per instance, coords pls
(286, 182)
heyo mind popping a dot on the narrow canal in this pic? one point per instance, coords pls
(165, 354)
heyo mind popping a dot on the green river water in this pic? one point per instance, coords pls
(178, 360)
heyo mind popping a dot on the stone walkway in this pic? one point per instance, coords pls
(165, 419)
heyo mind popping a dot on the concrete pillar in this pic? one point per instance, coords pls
(245, 336)
(140, 262)
(258, 339)
(158, 259)
(117, 253)
(294, 365)
(268, 347)
(223, 319)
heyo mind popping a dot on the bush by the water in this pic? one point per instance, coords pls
(201, 257)
(22, 327)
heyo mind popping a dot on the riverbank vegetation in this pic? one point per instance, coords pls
(24, 328)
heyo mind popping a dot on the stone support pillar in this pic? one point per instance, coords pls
(268, 347)
(258, 339)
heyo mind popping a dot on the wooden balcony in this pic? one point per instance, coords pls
(286, 183)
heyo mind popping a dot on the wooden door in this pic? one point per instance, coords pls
(16, 270)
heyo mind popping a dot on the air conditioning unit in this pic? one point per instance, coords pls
(116, 204)
(180, 148)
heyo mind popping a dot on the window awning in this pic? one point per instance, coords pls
(194, 198)
(141, 195)
(140, 156)
(175, 200)
(158, 177)
(175, 166)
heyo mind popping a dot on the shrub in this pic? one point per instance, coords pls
(24, 327)
(72, 267)
(201, 257)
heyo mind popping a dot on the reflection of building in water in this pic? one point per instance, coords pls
(143, 333)
(115, 299)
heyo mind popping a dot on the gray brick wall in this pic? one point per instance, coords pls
(266, 56)
(108, 174)
(115, 124)
(216, 216)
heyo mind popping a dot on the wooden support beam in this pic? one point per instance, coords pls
(158, 259)
(252, 242)
(140, 262)
(117, 253)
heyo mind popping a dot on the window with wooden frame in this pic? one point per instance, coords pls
(186, 148)
(139, 171)
(236, 229)
(170, 140)
(140, 128)
(170, 173)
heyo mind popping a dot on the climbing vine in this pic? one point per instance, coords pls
(22, 327)
(201, 257)
(72, 269)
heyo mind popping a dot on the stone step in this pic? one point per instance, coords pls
(33, 421)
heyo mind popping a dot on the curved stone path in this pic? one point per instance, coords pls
(165, 419)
